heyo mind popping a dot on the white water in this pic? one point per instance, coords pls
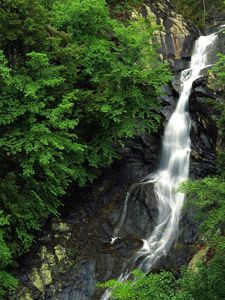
(174, 166)
(173, 169)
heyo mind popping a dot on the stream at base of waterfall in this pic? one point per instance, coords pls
(172, 171)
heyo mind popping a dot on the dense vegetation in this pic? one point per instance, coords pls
(205, 283)
(204, 279)
(75, 82)
(199, 11)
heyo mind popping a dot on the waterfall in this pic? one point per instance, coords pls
(173, 168)
(174, 165)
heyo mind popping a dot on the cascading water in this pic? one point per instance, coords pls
(173, 169)
(174, 166)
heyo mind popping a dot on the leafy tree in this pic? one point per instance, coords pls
(219, 106)
(75, 83)
(118, 79)
(6, 280)
(219, 70)
(155, 286)
(207, 283)
(23, 27)
(207, 196)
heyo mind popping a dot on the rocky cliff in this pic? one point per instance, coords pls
(74, 252)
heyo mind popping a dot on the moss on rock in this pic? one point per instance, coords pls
(198, 257)
(47, 256)
(45, 274)
(60, 252)
(25, 295)
(62, 227)
(36, 280)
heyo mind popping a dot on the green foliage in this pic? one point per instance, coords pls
(155, 286)
(207, 196)
(119, 73)
(23, 26)
(198, 11)
(219, 106)
(6, 280)
(207, 283)
(74, 84)
(4, 250)
(82, 19)
(219, 70)
(123, 9)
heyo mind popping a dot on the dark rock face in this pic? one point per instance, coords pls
(204, 137)
(80, 283)
(74, 252)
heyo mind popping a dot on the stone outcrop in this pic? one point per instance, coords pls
(176, 36)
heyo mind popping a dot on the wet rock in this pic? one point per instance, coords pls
(199, 81)
(167, 112)
(141, 213)
(168, 100)
(188, 44)
(180, 65)
(204, 138)
(81, 285)
(176, 83)
(203, 91)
